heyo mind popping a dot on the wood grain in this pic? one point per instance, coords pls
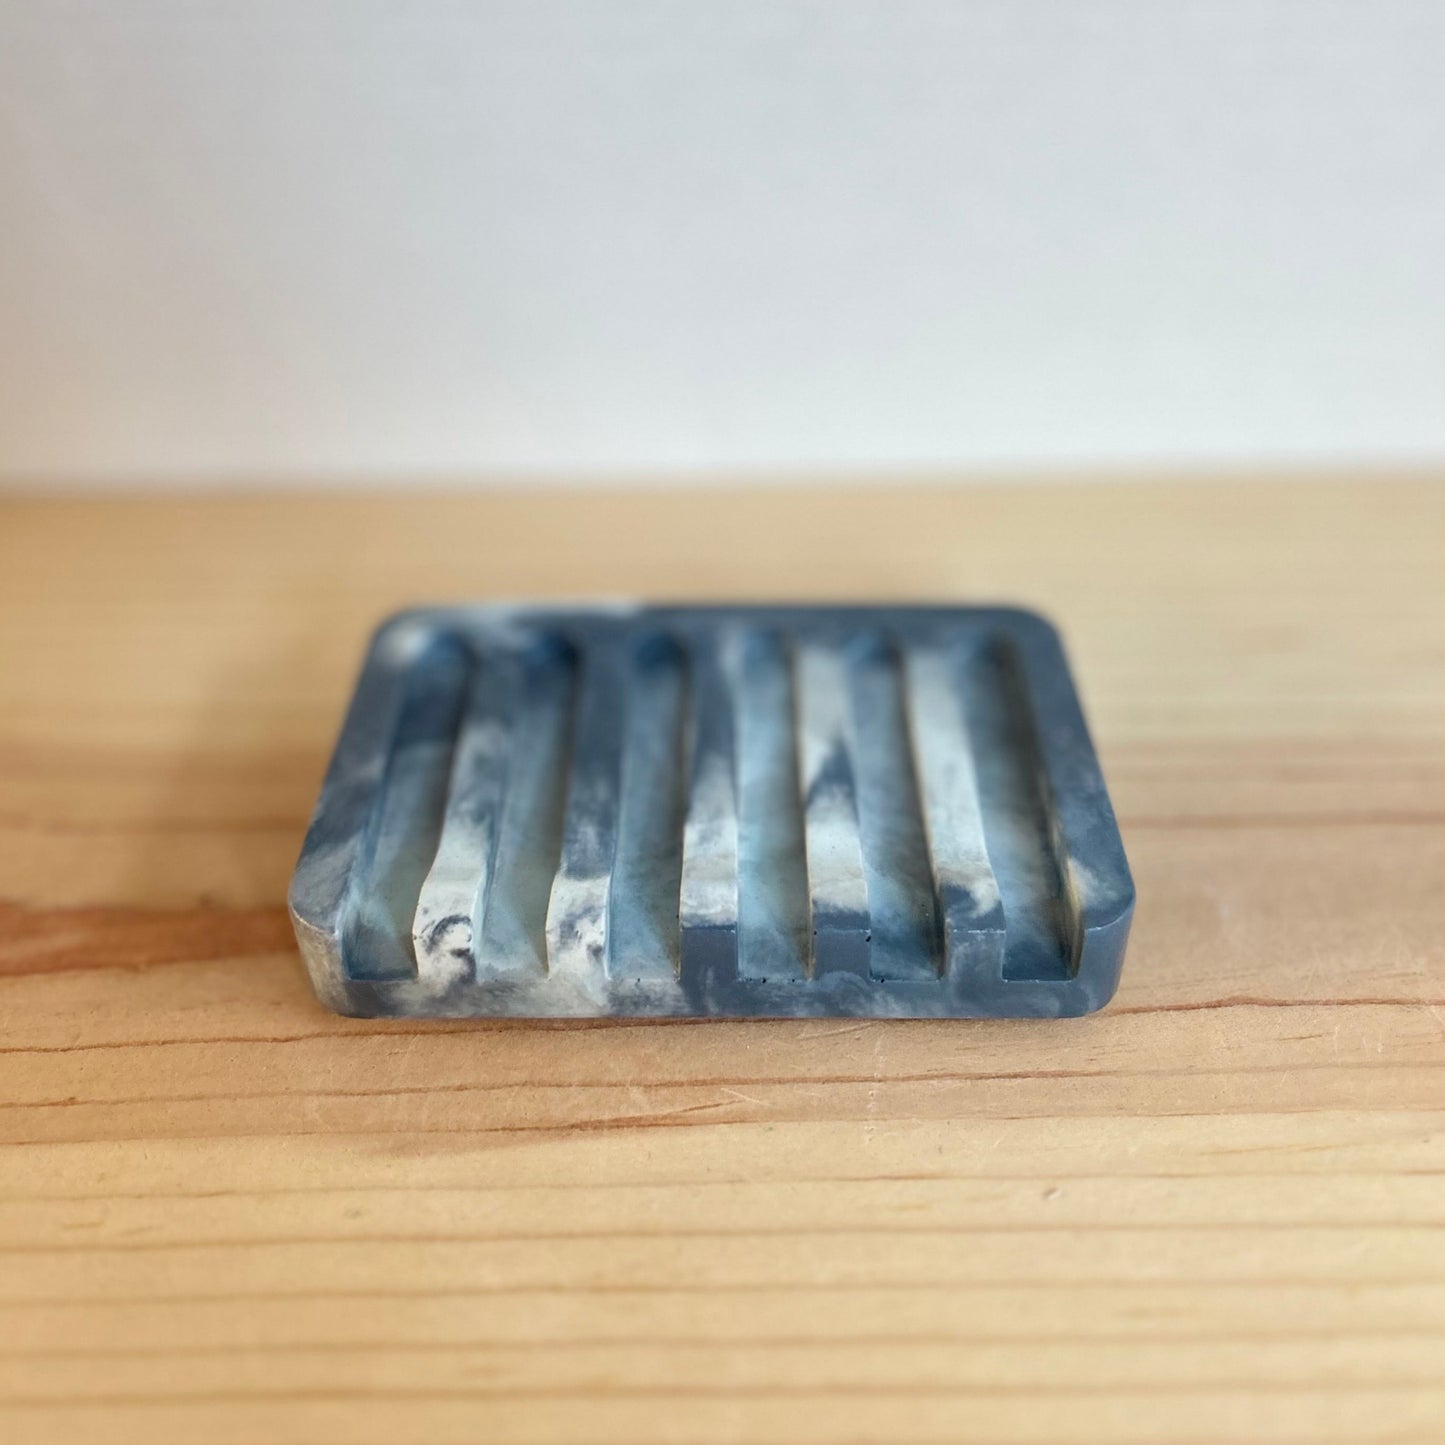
(1215, 1213)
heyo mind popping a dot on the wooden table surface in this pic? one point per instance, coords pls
(1214, 1213)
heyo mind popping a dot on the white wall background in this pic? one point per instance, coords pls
(303, 239)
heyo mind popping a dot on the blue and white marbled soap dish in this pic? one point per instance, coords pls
(714, 811)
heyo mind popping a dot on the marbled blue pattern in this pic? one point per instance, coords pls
(756, 812)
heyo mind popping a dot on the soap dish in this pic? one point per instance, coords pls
(755, 812)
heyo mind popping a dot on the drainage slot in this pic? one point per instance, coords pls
(1017, 820)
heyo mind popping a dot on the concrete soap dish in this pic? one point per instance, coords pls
(714, 811)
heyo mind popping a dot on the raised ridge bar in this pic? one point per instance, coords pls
(406, 815)
(966, 891)
(708, 885)
(837, 891)
(646, 892)
(714, 811)
(772, 863)
(454, 896)
(906, 940)
(512, 939)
